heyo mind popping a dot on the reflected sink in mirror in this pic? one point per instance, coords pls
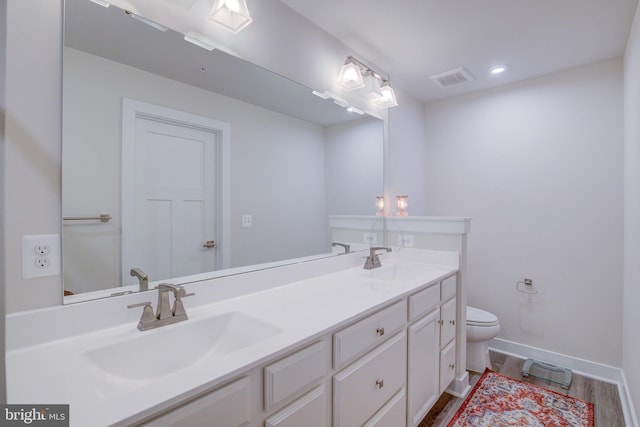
(166, 350)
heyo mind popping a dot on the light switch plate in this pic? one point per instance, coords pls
(40, 255)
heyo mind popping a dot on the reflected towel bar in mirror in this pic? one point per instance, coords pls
(101, 218)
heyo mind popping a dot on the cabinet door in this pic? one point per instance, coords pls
(227, 406)
(392, 413)
(447, 366)
(308, 410)
(448, 316)
(424, 359)
(361, 389)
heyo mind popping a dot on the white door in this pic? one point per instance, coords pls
(169, 197)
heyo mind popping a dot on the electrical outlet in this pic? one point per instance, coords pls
(247, 221)
(405, 240)
(370, 238)
(40, 255)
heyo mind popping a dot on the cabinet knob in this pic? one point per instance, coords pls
(380, 383)
(453, 322)
(380, 331)
(451, 365)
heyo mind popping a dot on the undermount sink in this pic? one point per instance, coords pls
(386, 272)
(163, 351)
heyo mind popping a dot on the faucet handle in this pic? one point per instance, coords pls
(147, 314)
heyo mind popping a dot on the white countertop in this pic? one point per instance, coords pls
(59, 371)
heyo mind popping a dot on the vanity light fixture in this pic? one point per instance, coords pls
(388, 98)
(372, 85)
(232, 15)
(350, 75)
(402, 203)
(380, 205)
(498, 69)
(101, 3)
(200, 43)
(147, 21)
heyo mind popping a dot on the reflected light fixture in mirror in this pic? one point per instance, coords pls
(380, 205)
(146, 21)
(388, 98)
(402, 203)
(232, 15)
(350, 76)
(101, 3)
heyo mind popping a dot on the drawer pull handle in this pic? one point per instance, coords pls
(380, 331)
(380, 383)
(453, 322)
(451, 365)
(440, 322)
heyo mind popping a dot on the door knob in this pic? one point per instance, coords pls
(209, 244)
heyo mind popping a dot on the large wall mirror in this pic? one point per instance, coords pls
(199, 160)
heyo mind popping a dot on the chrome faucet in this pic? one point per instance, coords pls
(165, 313)
(346, 247)
(373, 261)
(143, 279)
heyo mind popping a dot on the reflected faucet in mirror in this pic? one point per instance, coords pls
(346, 247)
(143, 279)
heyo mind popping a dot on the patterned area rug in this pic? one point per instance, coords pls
(497, 401)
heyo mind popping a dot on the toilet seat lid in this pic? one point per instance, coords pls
(478, 317)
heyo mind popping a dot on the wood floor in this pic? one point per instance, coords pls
(604, 396)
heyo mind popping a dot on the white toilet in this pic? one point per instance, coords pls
(482, 327)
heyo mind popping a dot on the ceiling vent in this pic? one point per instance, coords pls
(453, 78)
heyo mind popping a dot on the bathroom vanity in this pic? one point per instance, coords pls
(318, 343)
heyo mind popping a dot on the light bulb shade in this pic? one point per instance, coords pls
(371, 85)
(380, 205)
(350, 77)
(388, 98)
(232, 15)
(402, 203)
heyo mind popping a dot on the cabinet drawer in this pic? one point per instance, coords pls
(448, 287)
(367, 333)
(448, 322)
(228, 405)
(309, 409)
(392, 413)
(423, 302)
(447, 366)
(294, 374)
(362, 388)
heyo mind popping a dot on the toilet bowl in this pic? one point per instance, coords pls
(482, 327)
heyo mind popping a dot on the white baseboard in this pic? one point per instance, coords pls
(583, 367)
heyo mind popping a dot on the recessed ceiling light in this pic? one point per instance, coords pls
(498, 69)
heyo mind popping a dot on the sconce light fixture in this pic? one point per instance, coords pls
(388, 98)
(232, 15)
(380, 205)
(355, 75)
(350, 76)
(402, 203)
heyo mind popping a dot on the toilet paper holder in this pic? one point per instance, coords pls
(525, 286)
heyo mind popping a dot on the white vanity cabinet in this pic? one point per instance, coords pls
(227, 406)
(384, 369)
(431, 346)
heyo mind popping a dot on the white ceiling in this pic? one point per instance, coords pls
(414, 39)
